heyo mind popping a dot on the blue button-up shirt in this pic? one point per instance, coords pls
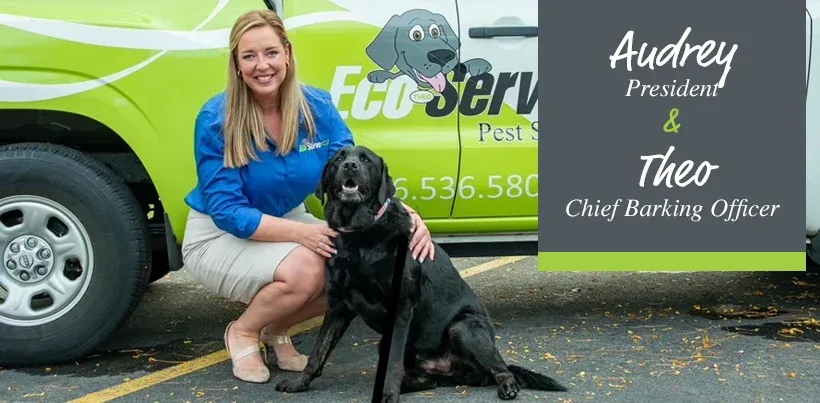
(237, 198)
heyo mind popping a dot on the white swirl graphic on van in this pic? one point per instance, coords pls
(367, 12)
(11, 91)
(123, 38)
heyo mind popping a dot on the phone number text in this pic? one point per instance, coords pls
(470, 187)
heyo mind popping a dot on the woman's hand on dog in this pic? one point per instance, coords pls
(319, 238)
(422, 243)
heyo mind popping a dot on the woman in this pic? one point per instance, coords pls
(248, 236)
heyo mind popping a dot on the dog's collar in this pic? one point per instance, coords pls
(378, 215)
(381, 211)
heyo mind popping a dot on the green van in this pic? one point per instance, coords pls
(97, 107)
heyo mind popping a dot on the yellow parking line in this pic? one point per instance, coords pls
(155, 378)
(493, 264)
(205, 361)
(178, 370)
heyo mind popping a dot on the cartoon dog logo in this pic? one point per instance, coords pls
(423, 46)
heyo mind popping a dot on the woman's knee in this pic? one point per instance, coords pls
(303, 271)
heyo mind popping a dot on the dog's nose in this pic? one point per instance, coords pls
(440, 56)
(350, 165)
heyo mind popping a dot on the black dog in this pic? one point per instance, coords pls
(443, 334)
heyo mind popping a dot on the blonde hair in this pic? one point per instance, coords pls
(244, 124)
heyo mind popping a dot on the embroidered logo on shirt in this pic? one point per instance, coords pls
(308, 146)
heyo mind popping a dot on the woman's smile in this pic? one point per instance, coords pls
(264, 79)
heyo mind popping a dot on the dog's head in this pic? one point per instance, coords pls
(355, 175)
(424, 40)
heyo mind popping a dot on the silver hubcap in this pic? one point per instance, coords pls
(47, 260)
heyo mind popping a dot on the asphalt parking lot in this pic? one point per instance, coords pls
(613, 337)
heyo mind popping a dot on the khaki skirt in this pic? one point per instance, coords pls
(232, 267)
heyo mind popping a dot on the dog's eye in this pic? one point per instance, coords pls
(365, 159)
(434, 31)
(416, 33)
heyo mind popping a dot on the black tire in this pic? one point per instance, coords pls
(812, 264)
(118, 234)
(812, 255)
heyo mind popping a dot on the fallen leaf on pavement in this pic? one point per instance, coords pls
(35, 394)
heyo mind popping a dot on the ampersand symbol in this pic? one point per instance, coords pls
(671, 126)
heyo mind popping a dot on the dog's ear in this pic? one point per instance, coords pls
(386, 186)
(447, 33)
(321, 187)
(382, 50)
(320, 192)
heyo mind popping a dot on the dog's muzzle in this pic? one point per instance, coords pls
(351, 177)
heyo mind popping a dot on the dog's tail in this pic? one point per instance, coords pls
(531, 380)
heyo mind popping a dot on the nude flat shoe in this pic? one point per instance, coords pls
(294, 364)
(254, 374)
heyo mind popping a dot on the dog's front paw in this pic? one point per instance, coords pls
(379, 76)
(477, 67)
(508, 389)
(389, 397)
(292, 386)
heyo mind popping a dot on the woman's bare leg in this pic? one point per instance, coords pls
(312, 309)
(298, 280)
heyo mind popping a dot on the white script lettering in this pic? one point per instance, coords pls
(665, 171)
(672, 52)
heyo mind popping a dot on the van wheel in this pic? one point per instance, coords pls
(75, 254)
(812, 264)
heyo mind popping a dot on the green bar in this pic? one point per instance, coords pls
(672, 261)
